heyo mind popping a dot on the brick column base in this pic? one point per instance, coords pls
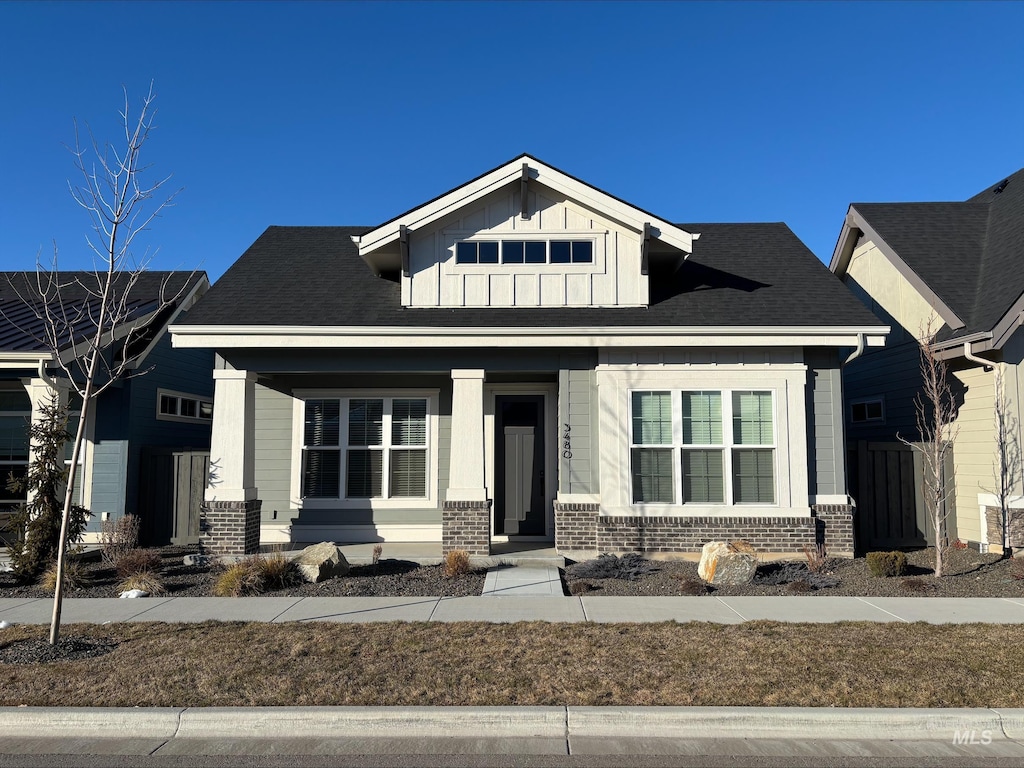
(835, 528)
(576, 526)
(229, 528)
(466, 525)
(1014, 524)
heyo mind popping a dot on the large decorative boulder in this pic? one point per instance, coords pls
(320, 562)
(727, 565)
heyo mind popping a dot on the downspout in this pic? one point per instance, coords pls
(46, 377)
(987, 364)
(858, 351)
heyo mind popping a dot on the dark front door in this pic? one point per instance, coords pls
(519, 465)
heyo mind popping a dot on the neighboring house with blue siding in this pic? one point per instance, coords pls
(137, 427)
(527, 358)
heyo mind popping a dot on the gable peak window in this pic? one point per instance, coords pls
(523, 251)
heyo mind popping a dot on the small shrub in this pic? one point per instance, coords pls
(693, 587)
(817, 559)
(629, 567)
(959, 544)
(75, 577)
(277, 571)
(581, 586)
(147, 581)
(784, 574)
(799, 587)
(240, 579)
(134, 561)
(118, 537)
(887, 564)
(378, 550)
(914, 584)
(456, 563)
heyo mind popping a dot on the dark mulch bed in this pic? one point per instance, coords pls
(390, 578)
(39, 651)
(968, 573)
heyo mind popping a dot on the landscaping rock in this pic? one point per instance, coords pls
(722, 565)
(321, 562)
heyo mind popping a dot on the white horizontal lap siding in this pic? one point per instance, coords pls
(613, 279)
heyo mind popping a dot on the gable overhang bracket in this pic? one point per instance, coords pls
(645, 249)
(403, 244)
(524, 209)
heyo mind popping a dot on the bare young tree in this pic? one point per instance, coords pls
(1006, 467)
(88, 319)
(935, 411)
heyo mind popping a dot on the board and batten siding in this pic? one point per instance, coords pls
(827, 470)
(612, 279)
(974, 449)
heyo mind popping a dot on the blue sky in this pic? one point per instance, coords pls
(337, 113)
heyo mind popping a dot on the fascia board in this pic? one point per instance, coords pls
(572, 188)
(844, 246)
(17, 360)
(422, 216)
(338, 337)
(855, 219)
(187, 302)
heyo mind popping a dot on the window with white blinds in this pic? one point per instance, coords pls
(682, 452)
(365, 448)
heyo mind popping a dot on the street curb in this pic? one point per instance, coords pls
(89, 722)
(803, 723)
(371, 722)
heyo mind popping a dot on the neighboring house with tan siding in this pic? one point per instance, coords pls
(527, 358)
(957, 268)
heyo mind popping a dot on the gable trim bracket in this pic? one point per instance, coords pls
(645, 250)
(524, 208)
(403, 244)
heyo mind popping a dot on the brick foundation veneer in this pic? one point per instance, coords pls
(582, 527)
(229, 528)
(994, 526)
(466, 525)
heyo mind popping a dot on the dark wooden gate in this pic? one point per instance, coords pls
(887, 482)
(170, 494)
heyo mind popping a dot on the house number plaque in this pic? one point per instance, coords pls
(566, 443)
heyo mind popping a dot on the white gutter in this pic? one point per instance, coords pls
(988, 364)
(46, 377)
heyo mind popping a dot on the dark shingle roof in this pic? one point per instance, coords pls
(21, 329)
(969, 253)
(739, 275)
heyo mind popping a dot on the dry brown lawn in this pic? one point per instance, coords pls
(534, 663)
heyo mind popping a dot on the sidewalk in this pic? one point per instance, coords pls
(510, 608)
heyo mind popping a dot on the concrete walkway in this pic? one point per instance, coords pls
(501, 606)
(509, 580)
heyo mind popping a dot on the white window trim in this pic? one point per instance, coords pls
(787, 382)
(298, 421)
(727, 447)
(880, 399)
(199, 399)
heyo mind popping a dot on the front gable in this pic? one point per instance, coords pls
(524, 235)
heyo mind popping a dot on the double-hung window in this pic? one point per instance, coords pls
(15, 414)
(707, 447)
(365, 448)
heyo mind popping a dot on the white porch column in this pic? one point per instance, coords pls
(230, 520)
(466, 480)
(233, 442)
